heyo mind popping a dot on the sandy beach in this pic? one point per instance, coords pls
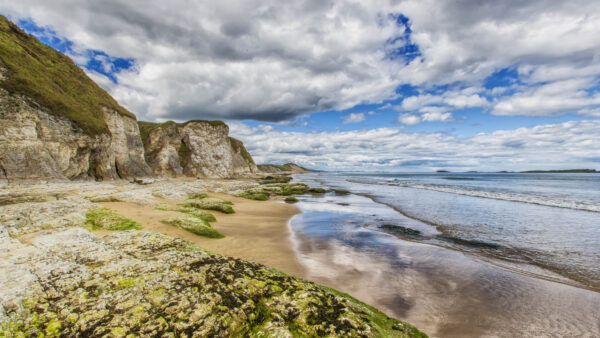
(258, 230)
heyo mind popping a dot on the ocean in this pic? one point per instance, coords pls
(482, 253)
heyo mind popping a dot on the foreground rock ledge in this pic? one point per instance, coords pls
(63, 280)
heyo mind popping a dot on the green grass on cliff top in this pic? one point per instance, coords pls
(52, 80)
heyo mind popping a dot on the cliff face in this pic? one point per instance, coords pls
(35, 144)
(195, 148)
(56, 123)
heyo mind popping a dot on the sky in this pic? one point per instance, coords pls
(381, 85)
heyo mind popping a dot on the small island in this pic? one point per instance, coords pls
(572, 171)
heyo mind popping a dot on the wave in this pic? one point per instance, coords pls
(497, 195)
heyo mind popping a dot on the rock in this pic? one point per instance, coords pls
(144, 283)
(162, 148)
(288, 168)
(127, 146)
(36, 145)
(197, 149)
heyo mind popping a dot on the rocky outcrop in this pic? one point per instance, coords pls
(126, 144)
(288, 168)
(195, 148)
(38, 145)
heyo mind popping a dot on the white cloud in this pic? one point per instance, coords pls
(561, 145)
(272, 60)
(552, 99)
(354, 118)
(438, 117)
(409, 119)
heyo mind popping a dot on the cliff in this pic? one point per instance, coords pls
(55, 122)
(195, 148)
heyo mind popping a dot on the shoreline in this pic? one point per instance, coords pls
(258, 231)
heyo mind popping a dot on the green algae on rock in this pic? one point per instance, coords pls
(291, 199)
(142, 283)
(211, 203)
(255, 194)
(194, 225)
(103, 218)
(201, 214)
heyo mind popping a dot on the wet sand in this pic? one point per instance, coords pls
(258, 231)
(445, 293)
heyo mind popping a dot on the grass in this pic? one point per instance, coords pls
(291, 199)
(238, 147)
(103, 218)
(147, 127)
(193, 225)
(52, 80)
(342, 192)
(210, 203)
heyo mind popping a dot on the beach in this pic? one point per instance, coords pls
(257, 231)
(331, 239)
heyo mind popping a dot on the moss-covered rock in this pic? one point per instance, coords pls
(140, 283)
(211, 203)
(276, 179)
(255, 194)
(201, 214)
(291, 199)
(103, 218)
(194, 225)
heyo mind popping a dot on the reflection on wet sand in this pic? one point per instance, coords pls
(443, 292)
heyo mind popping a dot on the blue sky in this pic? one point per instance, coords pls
(327, 70)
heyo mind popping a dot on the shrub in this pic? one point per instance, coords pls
(341, 192)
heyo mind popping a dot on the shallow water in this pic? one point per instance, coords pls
(546, 227)
(445, 292)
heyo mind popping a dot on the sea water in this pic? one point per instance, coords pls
(460, 254)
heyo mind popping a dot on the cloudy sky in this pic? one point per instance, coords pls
(384, 85)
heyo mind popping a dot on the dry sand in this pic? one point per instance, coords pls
(258, 231)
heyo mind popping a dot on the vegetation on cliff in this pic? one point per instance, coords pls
(238, 147)
(52, 80)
